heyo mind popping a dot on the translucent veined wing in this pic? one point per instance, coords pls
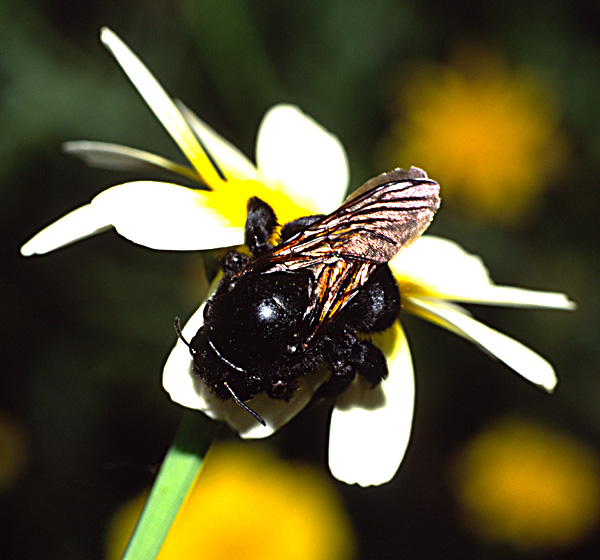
(343, 249)
(386, 214)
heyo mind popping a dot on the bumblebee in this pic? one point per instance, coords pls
(276, 315)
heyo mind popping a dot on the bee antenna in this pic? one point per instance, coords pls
(179, 333)
(237, 400)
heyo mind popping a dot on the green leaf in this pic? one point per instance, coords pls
(176, 477)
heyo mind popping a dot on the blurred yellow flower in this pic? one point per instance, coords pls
(524, 484)
(249, 505)
(488, 134)
(13, 451)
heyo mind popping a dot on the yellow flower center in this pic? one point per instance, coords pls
(230, 199)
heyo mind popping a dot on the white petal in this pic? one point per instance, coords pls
(370, 428)
(299, 157)
(515, 355)
(441, 269)
(75, 225)
(157, 215)
(231, 160)
(276, 412)
(179, 380)
(161, 105)
(187, 389)
(105, 155)
(166, 216)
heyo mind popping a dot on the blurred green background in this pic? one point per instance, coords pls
(84, 421)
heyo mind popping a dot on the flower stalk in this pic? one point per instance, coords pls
(177, 475)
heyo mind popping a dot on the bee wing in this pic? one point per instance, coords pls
(344, 248)
(335, 286)
(386, 214)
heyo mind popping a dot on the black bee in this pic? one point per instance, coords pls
(276, 315)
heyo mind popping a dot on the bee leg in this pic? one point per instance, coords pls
(337, 351)
(260, 225)
(346, 359)
(234, 262)
(369, 362)
(374, 309)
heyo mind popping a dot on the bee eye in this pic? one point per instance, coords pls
(265, 319)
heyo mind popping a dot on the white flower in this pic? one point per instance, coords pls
(301, 169)
(297, 161)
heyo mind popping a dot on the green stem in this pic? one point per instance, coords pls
(175, 478)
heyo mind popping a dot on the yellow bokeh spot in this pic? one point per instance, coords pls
(521, 483)
(13, 451)
(247, 505)
(230, 200)
(487, 134)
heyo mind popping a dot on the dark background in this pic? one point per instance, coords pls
(85, 330)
